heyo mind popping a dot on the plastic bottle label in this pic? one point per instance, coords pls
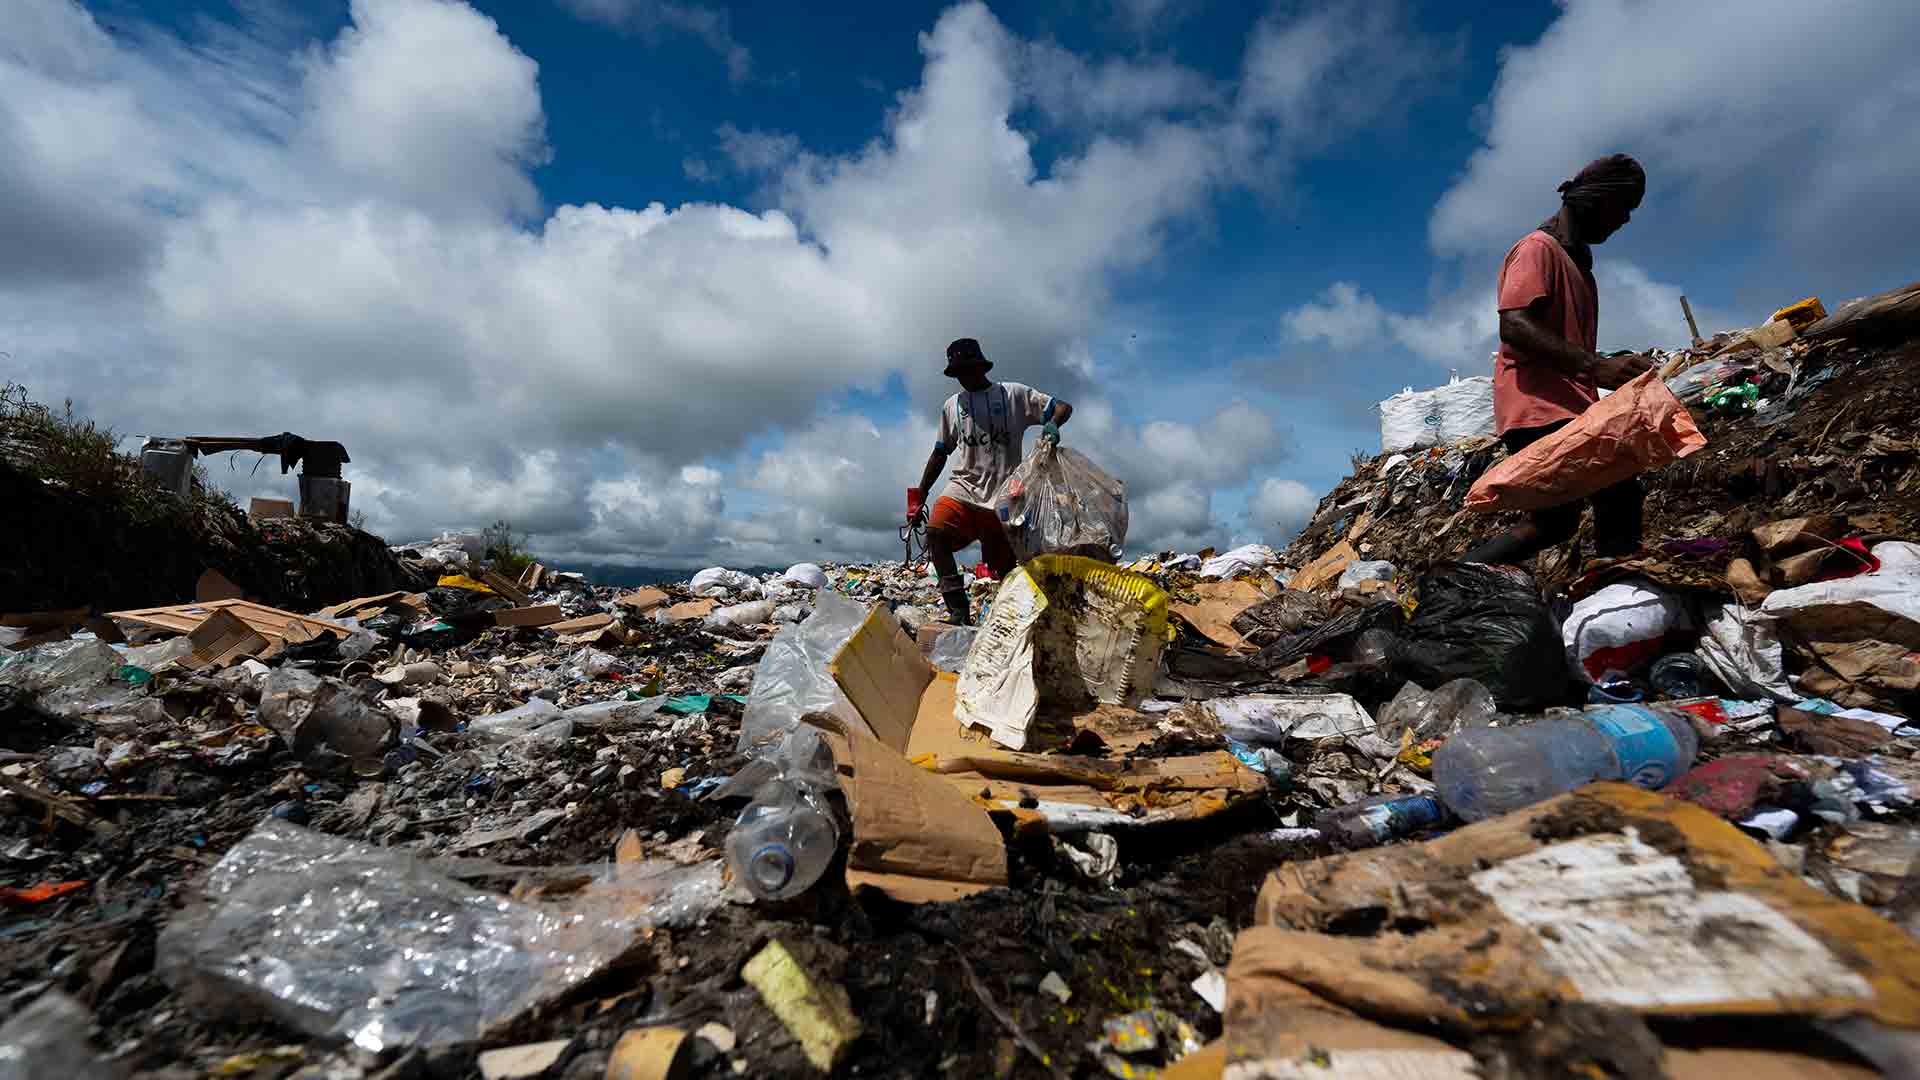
(1649, 757)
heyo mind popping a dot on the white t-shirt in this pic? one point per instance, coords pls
(981, 431)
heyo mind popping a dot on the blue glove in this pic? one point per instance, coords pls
(1051, 432)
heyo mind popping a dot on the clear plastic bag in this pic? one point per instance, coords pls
(371, 945)
(792, 679)
(950, 649)
(1057, 502)
(49, 1038)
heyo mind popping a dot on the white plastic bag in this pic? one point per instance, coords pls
(1620, 628)
(1365, 570)
(1441, 416)
(718, 580)
(751, 613)
(1239, 561)
(1742, 649)
(806, 574)
(792, 679)
(1057, 502)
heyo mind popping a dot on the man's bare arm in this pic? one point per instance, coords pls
(935, 462)
(1526, 330)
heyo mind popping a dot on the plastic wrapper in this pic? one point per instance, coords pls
(950, 649)
(1057, 502)
(1244, 559)
(1638, 427)
(308, 712)
(792, 678)
(539, 719)
(752, 613)
(1742, 649)
(1437, 713)
(49, 1039)
(373, 946)
(1485, 623)
(80, 680)
(1364, 570)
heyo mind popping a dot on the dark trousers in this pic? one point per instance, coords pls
(1616, 516)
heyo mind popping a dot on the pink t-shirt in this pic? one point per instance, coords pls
(1527, 393)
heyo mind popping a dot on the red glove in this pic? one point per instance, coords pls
(916, 504)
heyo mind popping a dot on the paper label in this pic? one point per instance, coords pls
(1625, 924)
(1648, 755)
(1361, 1065)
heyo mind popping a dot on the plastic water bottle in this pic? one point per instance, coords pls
(1485, 772)
(786, 837)
(1379, 819)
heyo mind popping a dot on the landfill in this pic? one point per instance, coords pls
(1352, 808)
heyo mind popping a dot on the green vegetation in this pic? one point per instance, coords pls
(504, 549)
(67, 452)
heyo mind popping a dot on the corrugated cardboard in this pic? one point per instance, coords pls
(1216, 604)
(1069, 792)
(915, 837)
(270, 622)
(584, 623)
(1638, 427)
(883, 674)
(691, 609)
(367, 607)
(222, 640)
(1610, 895)
(506, 587)
(1275, 1028)
(642, 600)
(1324, 570)
(541, 615)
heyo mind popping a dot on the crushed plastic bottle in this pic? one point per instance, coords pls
(1436, 714)
(1485, 772)
(1377, 820)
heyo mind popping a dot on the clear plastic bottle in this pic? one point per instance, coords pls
(1485, 772)
(787, 836)
(1379, 819)
(783, 841)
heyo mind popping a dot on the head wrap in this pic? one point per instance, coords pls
(1615, 178)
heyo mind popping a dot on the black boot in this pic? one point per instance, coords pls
(959, 608)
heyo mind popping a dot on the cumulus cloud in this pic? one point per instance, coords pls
(1804, 157)
(654, 18)
(224, 234)
(1278, 509)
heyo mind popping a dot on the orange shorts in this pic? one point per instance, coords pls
(963, 524)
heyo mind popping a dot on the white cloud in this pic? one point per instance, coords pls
(1279, 509)
(1317, 70)
(231, 236)
(653, 18)
(1810, 156)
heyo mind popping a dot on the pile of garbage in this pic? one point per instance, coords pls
(1354, 808)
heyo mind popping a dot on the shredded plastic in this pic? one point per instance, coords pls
(373, 946)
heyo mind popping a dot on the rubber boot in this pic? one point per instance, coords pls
(959, 608)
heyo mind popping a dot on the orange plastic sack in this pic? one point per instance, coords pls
(1638, 427)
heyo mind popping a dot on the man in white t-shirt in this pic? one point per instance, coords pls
(982, 427)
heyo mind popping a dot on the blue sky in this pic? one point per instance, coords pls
(668, 282)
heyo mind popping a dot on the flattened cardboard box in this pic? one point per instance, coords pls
(1217, 604)
(1610, 895)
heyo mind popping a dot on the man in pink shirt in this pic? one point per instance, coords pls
(1547, 372)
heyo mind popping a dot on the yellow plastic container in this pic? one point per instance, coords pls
(1803, 314)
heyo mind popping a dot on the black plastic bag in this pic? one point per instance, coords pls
(1487, 623)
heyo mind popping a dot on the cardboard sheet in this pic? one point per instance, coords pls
(1325, 570)
(1610, 895)
(1072, 792)
(222, 640)
(366, 607)
(270, 622)
(542, 615)
(1217, 603)
(213, 585)
(641, 600)
(881, 671)
(915, 837)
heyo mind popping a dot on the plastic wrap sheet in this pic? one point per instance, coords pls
(792, 679)
(373, 946)
(1059, 502)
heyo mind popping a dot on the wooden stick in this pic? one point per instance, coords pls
(1691, 325)
(58, 806)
